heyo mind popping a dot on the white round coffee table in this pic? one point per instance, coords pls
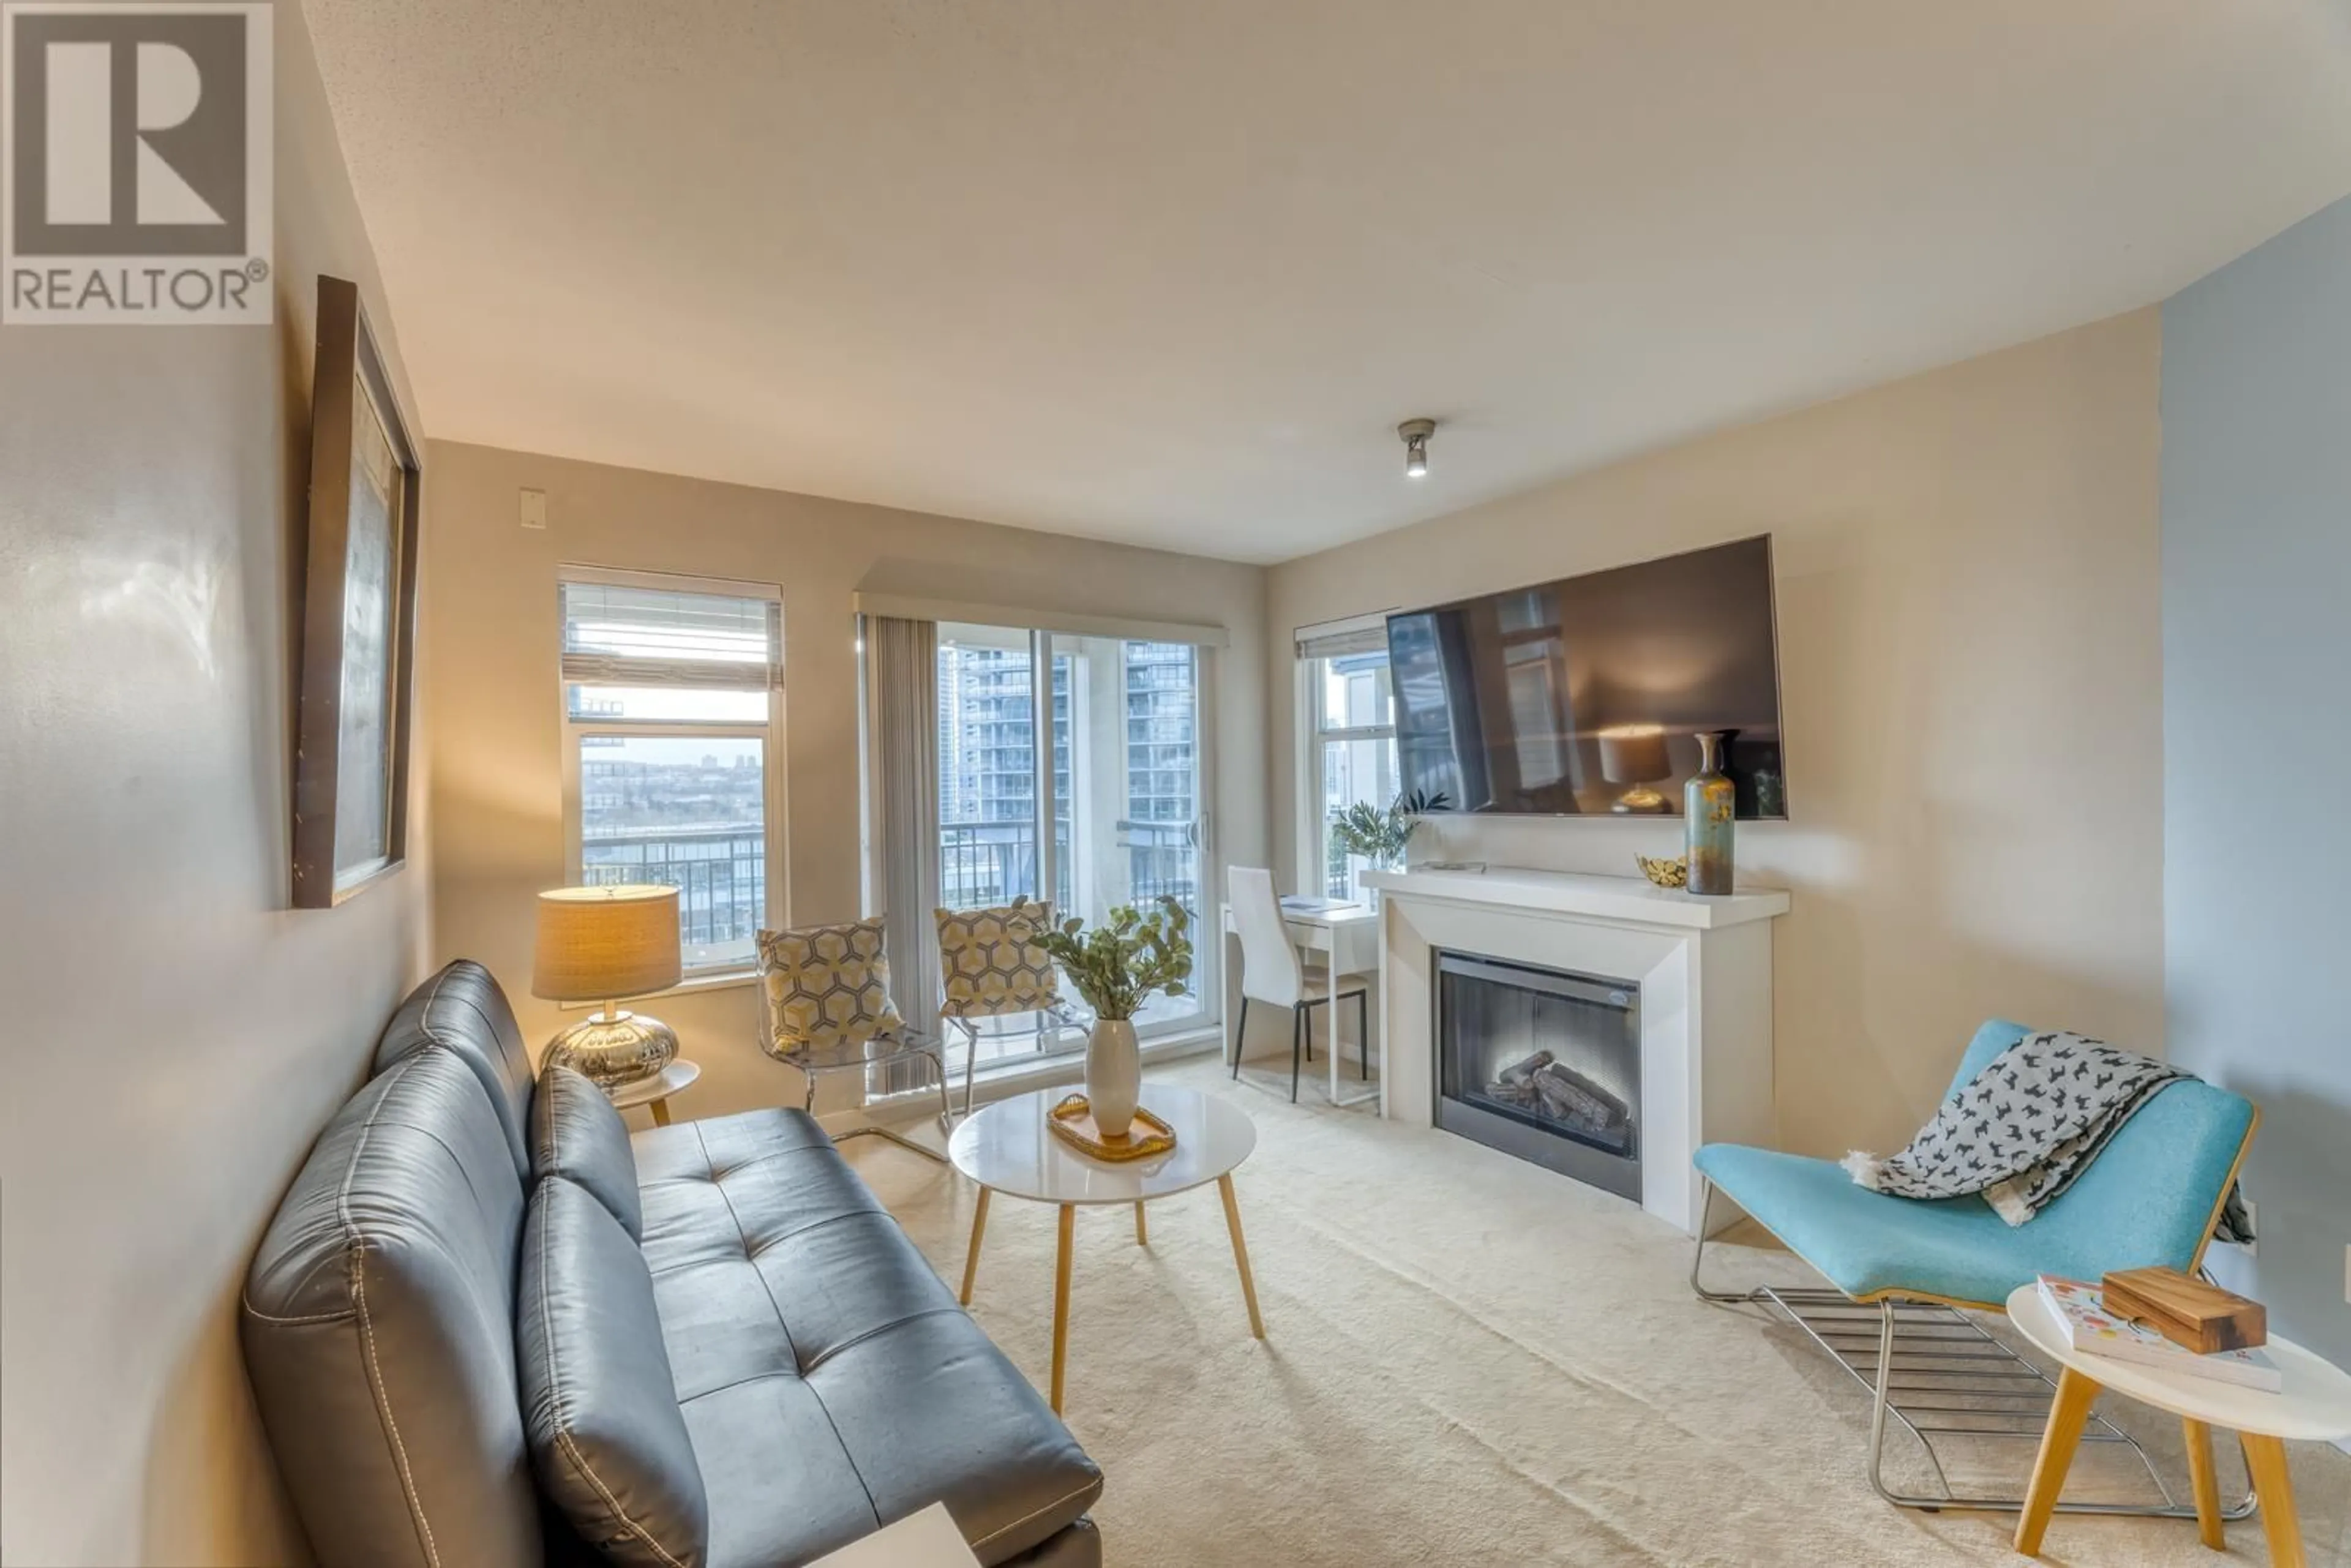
(1007, 1147)
(2315, 1403)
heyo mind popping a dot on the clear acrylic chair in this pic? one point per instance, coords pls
(987, 971)
(825, 1006)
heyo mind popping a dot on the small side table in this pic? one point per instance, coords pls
(653, 1093)
(2315, 1403)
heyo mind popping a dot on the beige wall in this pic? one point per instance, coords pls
(491, 631)
(177, 1034)
(1968, 584)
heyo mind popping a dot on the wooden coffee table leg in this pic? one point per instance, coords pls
(1240, 1252)
(2265, 1456)
(1142, 1227)
(971, 1259)
(2067, 1412)
(1061, 1301)
(2206, 1483)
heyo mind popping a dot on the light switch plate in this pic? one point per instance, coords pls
(534, 509)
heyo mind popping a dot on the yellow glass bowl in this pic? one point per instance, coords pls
(1674, 873)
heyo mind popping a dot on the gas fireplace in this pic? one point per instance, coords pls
(1544, 1064)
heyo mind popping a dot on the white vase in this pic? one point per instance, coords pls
(1113, 1075)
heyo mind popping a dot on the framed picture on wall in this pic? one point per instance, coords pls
(359, 616)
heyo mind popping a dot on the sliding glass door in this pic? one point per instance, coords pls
(1140, 821)
(995, 790)
(1071, 770)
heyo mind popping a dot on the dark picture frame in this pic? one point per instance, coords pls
(359, 616)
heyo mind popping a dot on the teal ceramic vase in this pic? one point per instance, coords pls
(1710, 814)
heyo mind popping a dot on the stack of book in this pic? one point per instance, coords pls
(2097, 1328)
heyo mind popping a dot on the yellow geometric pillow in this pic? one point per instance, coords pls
(828, 985)
(987, 970)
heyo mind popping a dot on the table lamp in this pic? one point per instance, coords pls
(600, 944)
(1634, 754)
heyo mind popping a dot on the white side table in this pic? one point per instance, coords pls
(2315, 1403)
(653, 1093)
(1007, 1147)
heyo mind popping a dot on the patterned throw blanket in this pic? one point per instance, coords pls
(2024, 1127)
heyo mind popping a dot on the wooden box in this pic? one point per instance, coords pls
(2187, 1311)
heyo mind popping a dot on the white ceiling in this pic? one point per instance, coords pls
(1170, 271)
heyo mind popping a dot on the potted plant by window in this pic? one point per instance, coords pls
(1116, 968)
(1381, 836)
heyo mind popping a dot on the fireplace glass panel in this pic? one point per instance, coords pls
(1541, 1050)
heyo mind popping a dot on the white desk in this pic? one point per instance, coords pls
(1347, 938)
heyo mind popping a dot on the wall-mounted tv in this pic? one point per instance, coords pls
(1588, 694)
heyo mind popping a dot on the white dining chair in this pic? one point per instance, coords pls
(1272, 972)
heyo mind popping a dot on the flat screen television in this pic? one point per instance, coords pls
(1588, 694)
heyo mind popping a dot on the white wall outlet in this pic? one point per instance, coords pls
(534, 509)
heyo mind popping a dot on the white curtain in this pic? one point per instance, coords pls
(902, 688)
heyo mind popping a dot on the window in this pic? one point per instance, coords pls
(671, 702)
(1352, 755)
(1113, 774)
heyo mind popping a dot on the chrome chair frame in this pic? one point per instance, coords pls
(903, 1047)
(1064, 1016)
(1916, 1337)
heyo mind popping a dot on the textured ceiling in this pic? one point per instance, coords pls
(1170, 271)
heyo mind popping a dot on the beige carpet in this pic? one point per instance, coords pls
(1471, 1361)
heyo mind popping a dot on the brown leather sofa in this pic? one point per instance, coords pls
(487, 1326)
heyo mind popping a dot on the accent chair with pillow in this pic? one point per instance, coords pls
(825, 1006)
(2152, 1198)
(489, 1327)
(989, 971)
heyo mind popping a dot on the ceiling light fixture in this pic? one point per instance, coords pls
(1416, 433)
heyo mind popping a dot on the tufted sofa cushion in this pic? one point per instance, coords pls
(829, 1380)
(577, 1134)
(379, 1331)
(463, 1012)
(605, 1432)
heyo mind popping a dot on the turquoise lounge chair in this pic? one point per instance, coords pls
(2153, 1196)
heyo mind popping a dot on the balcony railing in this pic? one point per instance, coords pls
(986, 863)
(720, 872)
(1162, 860)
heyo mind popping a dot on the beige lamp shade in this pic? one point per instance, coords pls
(600, 944)
(1633, 754)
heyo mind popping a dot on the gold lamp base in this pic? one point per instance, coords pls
(614, 1047)
(1639, 799)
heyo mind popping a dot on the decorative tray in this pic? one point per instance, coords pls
(1072, 1122)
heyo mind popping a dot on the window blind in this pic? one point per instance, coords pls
(619, 635)
(1342, 638)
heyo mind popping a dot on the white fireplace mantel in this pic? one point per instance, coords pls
(1629, 900)
(1703, 964)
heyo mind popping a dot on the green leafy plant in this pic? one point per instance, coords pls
(1119, 965)
(1380, 835)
